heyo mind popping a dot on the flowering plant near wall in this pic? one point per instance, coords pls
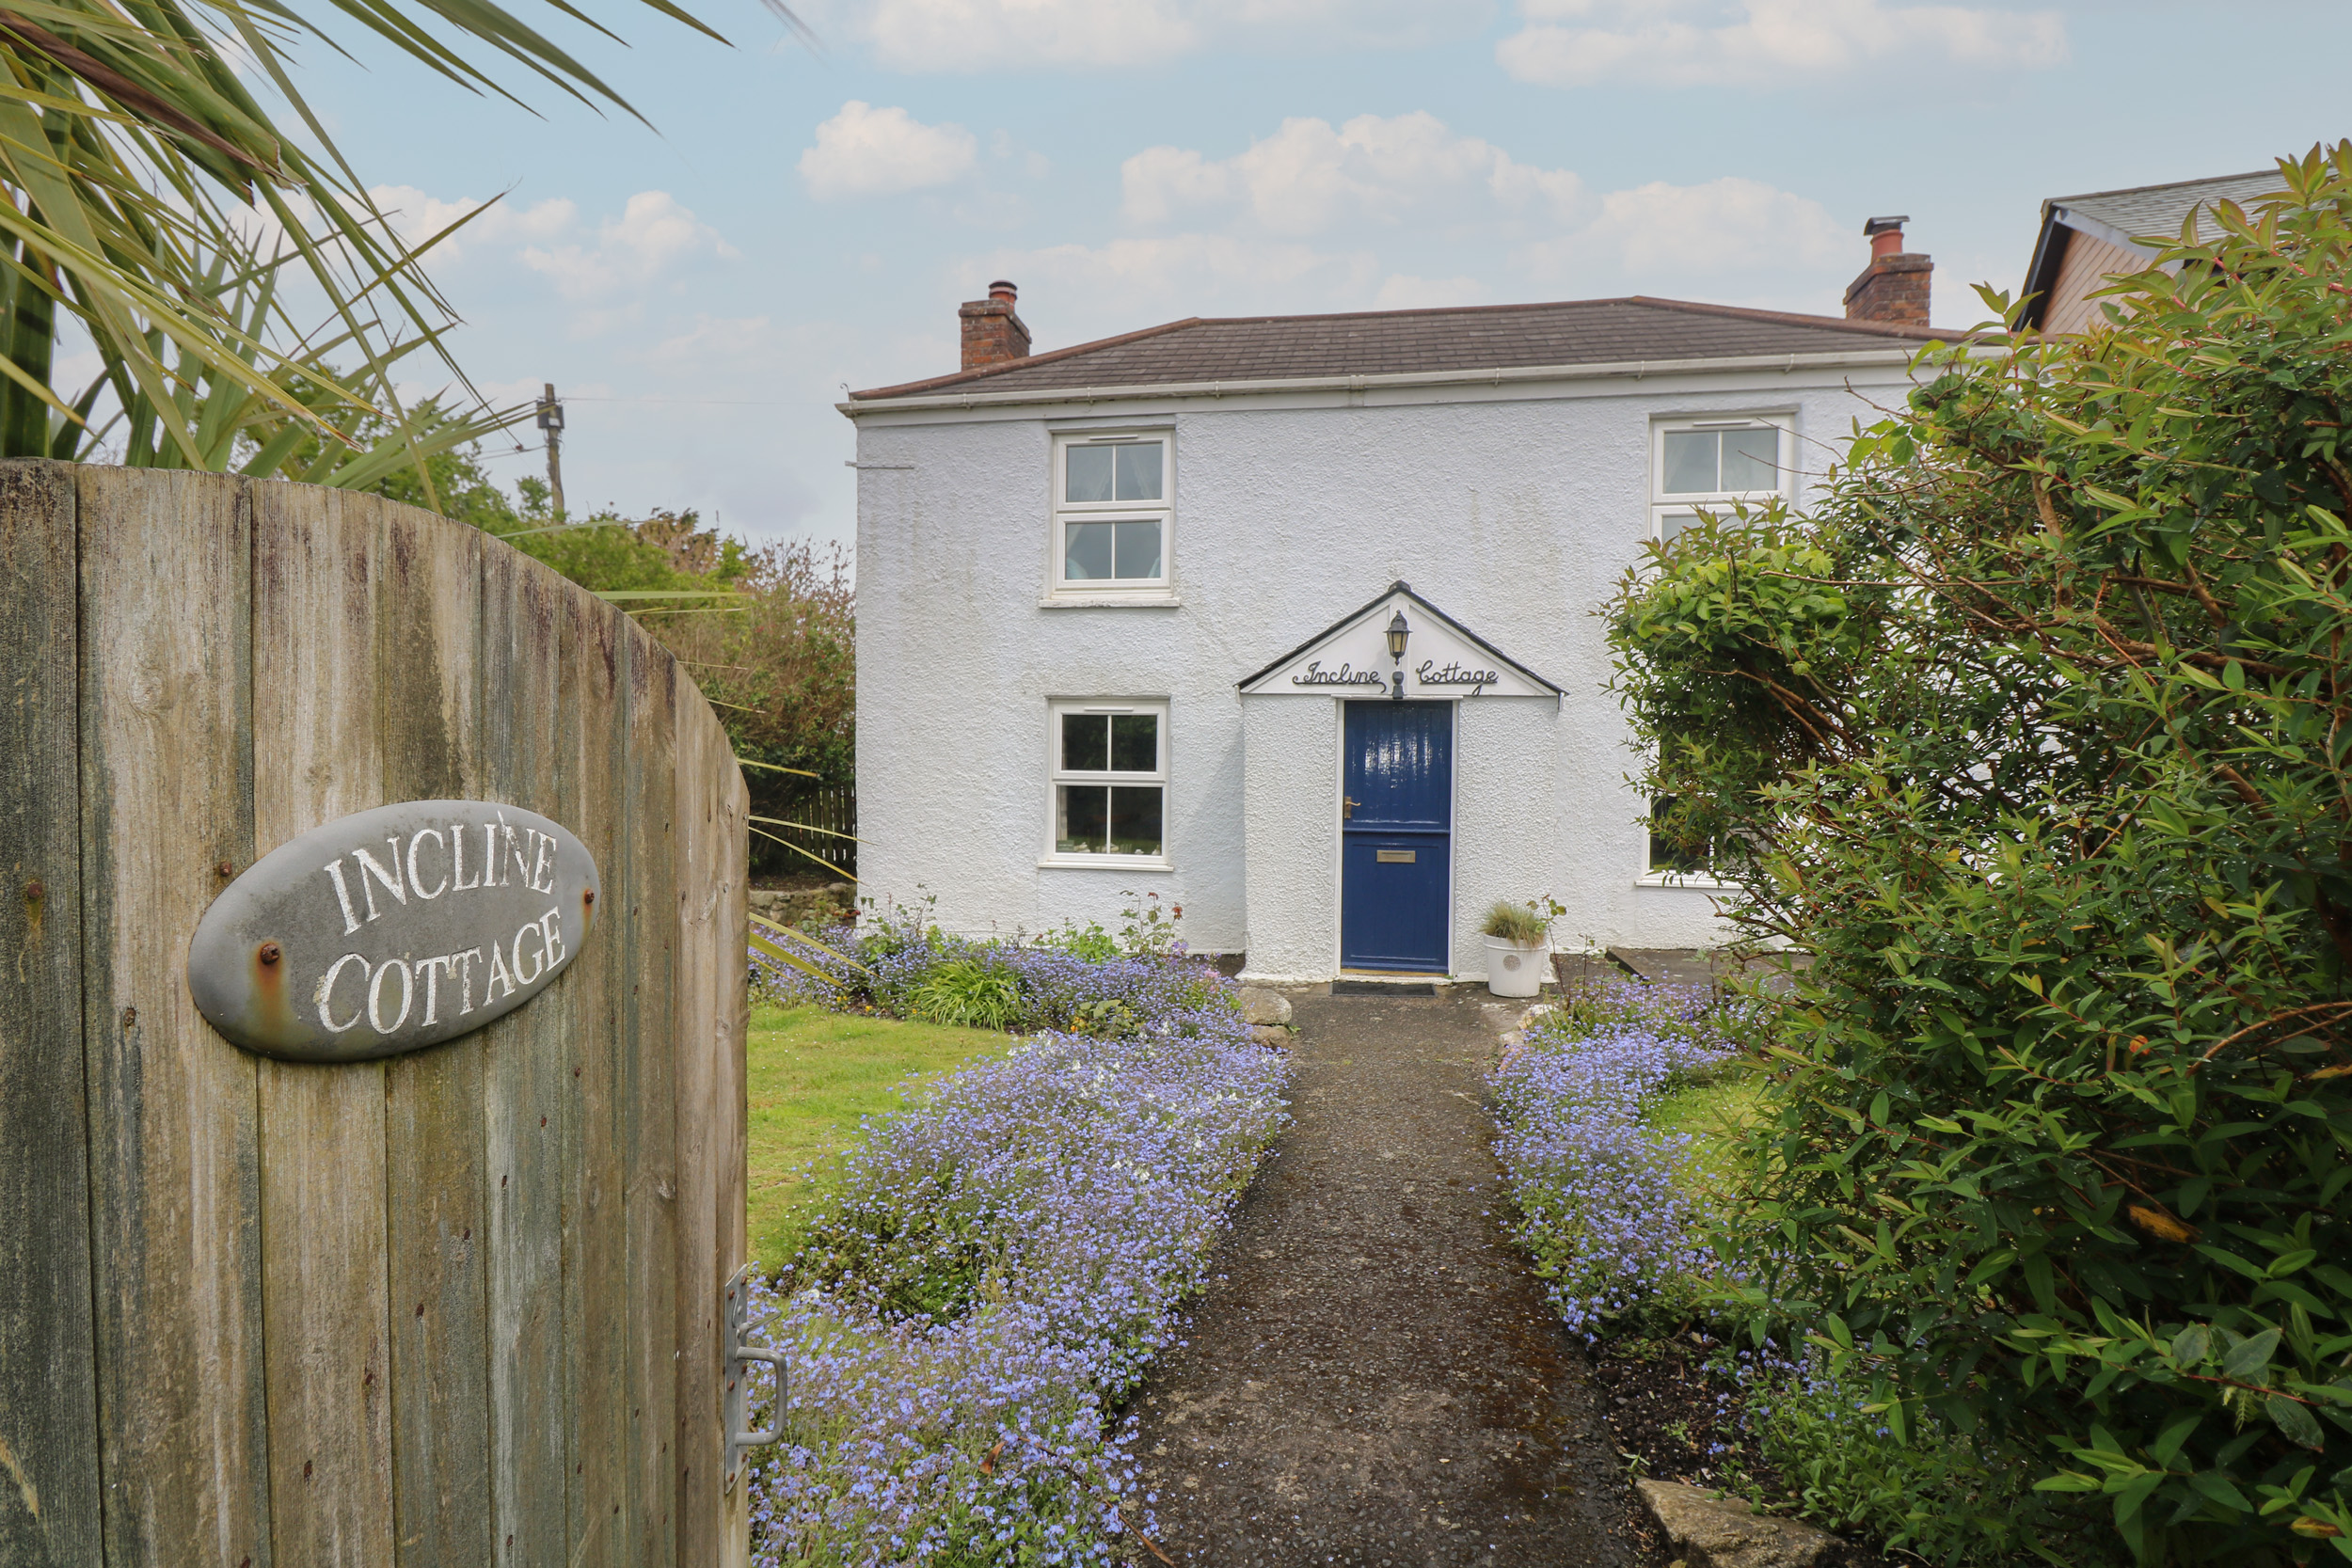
(999, 1263)
(1600, 1209)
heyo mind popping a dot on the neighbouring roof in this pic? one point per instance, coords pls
(1237, 349)
(2159, 209)
(2127, 217)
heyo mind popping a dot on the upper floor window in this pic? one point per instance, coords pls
(1698, 463)
(1111, 513)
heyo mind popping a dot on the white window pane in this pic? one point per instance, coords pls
(1751, 459)
(1089, 552)
(1089, 474)
(1673, 522)
(1690, 462)
(1138, 553)
(1138, 471)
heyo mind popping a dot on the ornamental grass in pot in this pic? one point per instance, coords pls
(1518, 948)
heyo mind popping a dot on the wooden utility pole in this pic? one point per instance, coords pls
(552, 421)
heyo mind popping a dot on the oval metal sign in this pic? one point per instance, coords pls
(392, 930)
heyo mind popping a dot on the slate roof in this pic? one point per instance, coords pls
(2159, 209)
(1387, 342)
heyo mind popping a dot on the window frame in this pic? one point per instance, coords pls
(1061, 513)
(1704, 879)
(1057, 709)
(1689, 504)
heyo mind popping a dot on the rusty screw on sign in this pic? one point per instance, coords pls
(225, 869)
(269, 953)
(33, 890)
(589, 896)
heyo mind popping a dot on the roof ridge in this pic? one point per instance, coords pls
(907, 389)
(1741, 312)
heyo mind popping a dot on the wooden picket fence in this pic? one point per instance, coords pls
(833, 808)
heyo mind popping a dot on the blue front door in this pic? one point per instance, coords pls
(1396, 836)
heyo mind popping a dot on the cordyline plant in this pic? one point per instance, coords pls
(2037, 731)
(135, 162)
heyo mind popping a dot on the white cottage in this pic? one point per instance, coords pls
(1289, 620)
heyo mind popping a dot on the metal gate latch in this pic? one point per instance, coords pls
(735, 1366)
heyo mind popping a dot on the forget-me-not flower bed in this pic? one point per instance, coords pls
(1000, 1262)
(1601, 1207)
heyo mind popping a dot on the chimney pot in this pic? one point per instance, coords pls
(1894, 287)
(994, 332)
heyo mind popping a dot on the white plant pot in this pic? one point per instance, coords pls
(1516, 967)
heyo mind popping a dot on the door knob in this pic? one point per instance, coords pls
(1347, 808)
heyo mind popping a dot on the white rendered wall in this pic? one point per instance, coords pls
(1291, 803)
(1515, 511)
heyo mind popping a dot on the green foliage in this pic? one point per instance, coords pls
(1937, 1497)
(1088, 942)
(1521, 923)
(2035, 733)
(973, 993)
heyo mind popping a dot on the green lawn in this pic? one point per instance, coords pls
(813, 1074)
(1714, 1112)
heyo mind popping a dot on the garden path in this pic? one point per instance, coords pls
(1375, 1378)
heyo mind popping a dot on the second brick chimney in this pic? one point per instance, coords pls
(992, 330)
(1893, 288)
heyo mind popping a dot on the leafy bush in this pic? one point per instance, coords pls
(2035, 733)
(1939, 1496)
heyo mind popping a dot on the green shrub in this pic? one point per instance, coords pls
(2036, 731)
(1088, 942)
(972, 992)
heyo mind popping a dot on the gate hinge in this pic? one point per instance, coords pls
(736, 1369)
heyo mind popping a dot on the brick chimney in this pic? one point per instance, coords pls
(992, 330)
(1894, 287)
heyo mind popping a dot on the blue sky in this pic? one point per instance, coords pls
(799, 220)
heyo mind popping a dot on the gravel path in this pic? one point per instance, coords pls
(1376, 1380)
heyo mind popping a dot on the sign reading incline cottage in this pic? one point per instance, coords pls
(392, 930)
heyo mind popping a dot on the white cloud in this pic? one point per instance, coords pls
(418, 215)
(867, 152)
(1403, 292)
(1307, 177)
(1765, 42)
(1723, 228)
(653, 233)
(997, 35)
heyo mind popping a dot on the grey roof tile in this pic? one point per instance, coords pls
(2159, 209)
(1386, 343)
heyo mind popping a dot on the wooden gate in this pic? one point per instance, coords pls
(459, 1307)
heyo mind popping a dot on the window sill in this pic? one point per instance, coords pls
(1157, 598)
(1106, 863)
(1687, 882)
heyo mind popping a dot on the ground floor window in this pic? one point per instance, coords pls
(1667, 858)
(1109, 778)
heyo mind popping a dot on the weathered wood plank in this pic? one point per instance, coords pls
(319, 754)
(526, 1091)
(645, 915)
(48, 1408)
(166, 798)
(596, 1309)
(713, 1527)
(429, 638)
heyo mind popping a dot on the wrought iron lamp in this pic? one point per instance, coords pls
(1398, 632)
